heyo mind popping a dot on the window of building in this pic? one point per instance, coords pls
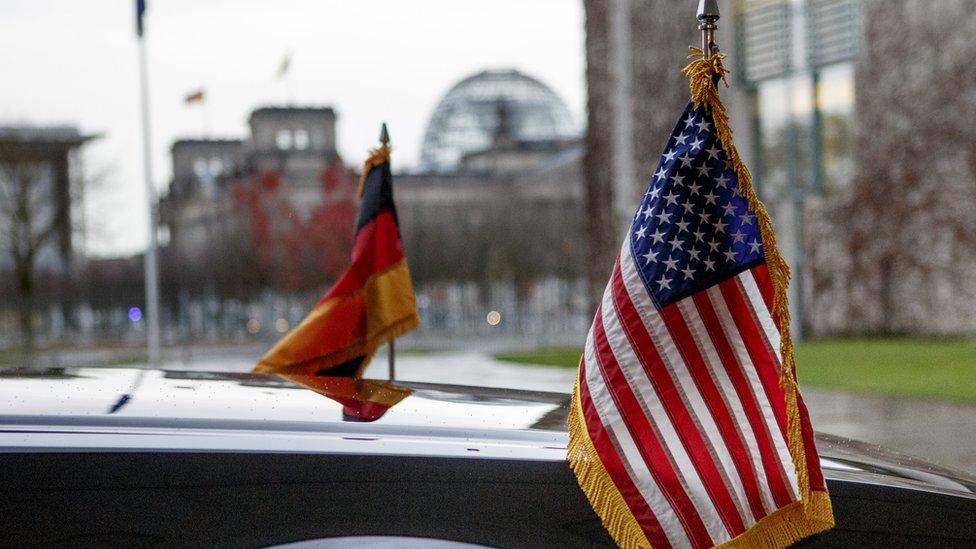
(301, 139)
(283, 139)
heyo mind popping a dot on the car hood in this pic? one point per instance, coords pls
(114, 409)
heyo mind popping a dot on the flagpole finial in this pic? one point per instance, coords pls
(708, 15)
(384, 135)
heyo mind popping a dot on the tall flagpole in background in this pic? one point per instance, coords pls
(150, 266)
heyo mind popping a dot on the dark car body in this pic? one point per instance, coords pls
(117, 457)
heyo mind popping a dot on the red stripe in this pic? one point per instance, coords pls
(656, 458)
(695, 364)
(609, 456)
(376, 249)
(767, 451)
(765, 284)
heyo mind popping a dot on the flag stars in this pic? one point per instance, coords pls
(658, 237)
(713, 244)
(747, 218)
(660, 174)
(693, 254)
(713, 152)
(709, 265)
(710, 198)
(663, 217)
(696, 144)
(730, 254)
(677, 179)
(695, 187)
(722, 182)
(650, 257)
(699, 235)
(689, 273)
(681, 139)
(720, 226)
(703, 170)
(690, 121)
(682, 226)
(671, 198)
(755, 247)
(729, 209)
(654, 192)
(672, 264)
(739, 236)
(641, 233)
(686, 160)
(688, 206)
(704, 218)
(647, 211)
(703, 126)
(669, 156)
(664, 283)
(675, 243)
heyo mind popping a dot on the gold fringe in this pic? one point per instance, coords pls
(596, 483)
(788, 524)
(377, 156)
(702, 74)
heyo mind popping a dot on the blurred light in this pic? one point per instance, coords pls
(494, 318)
(135, 314)
(281, 325)
(253, 326)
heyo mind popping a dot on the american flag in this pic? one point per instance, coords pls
(679, 384)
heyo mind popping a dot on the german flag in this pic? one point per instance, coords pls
(361, 399)
(370, 304)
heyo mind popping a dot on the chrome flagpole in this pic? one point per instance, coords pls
(708, 16)
(150, 264)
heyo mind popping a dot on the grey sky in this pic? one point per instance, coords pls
(74, 62)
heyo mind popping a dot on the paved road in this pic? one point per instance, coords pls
(936, 431)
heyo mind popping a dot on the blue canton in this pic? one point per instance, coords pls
(693, 228)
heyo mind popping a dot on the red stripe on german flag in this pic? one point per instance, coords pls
(373, 301)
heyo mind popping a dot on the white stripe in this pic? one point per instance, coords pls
(762, 313)
(651, 404)
(769, 418)
(714, 363)
(667, 350)
(638, 471)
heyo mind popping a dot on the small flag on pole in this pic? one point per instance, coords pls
(284, 66)
(686, 426)
(194, 97)
(372, 303)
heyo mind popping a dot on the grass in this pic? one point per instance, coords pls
(937, 369)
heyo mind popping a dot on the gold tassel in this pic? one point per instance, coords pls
(596, 483)
(702, 74)
(377, 156)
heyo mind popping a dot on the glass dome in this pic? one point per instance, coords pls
(467, 118)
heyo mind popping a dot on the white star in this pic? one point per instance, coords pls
(703, 126)
(713, 244)
(699, 235)
(675, 243)
(661, 172)
(672, 263)
(755, 246)
(721, 181)
(685, 160)
(680, 139)
(653, 193)
(694, 253)
(647, 211)
(658, 236)
(709, 265)
(719, 226)
(703, 170)
(747, 218)
(641, 233)
(690, 120)
(650, 257)
(682, 226)
(739, 236)
(695, 187)
(704, 218)
(677, 179)
(664, 217)
(729, 209)
(696, 144)
(688, 206)
(671, 198)
(689, 273)
(713, 152)
(710, 197)
(664, 283)
(669, 156)
(730, 254)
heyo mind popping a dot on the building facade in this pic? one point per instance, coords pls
(849, 113)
